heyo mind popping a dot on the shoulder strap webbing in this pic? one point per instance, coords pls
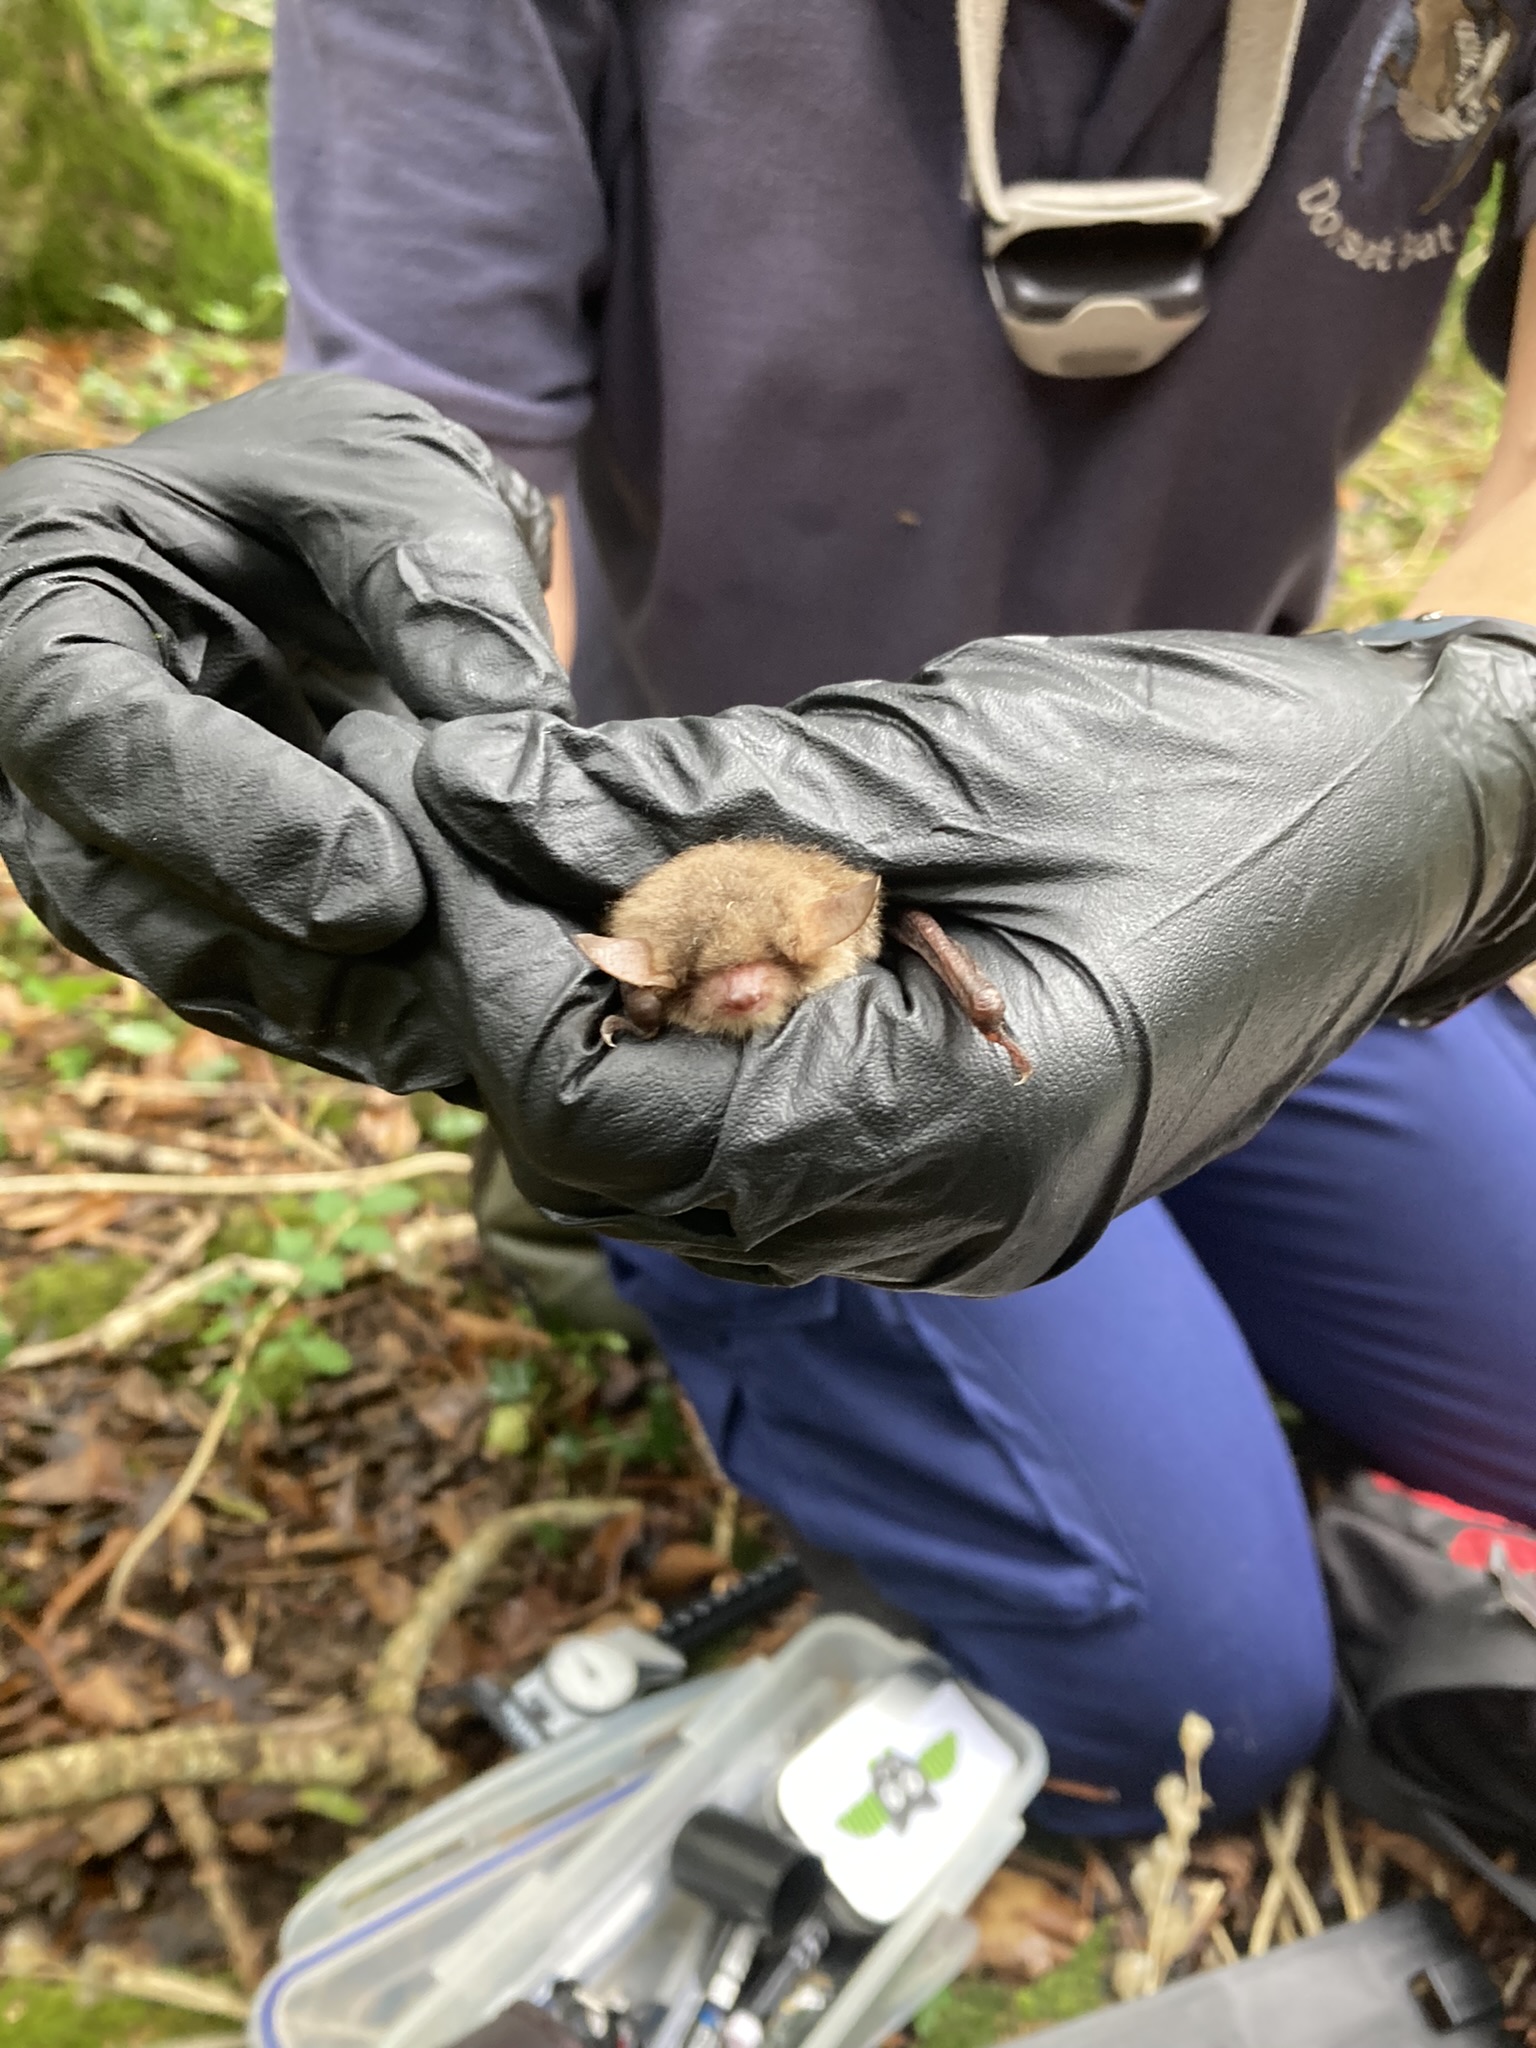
(1256, 61)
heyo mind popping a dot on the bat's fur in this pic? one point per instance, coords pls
(738, 932)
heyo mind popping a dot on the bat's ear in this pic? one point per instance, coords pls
(838, 915)
(627, 960)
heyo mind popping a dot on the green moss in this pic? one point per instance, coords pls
(975, 2012)
(54, 2016)
(157, 42)
(67, 1293)
(94, 191)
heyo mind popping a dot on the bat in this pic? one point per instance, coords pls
(728, 938)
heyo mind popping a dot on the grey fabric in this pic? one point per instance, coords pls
(719, 256)
(561, 1269)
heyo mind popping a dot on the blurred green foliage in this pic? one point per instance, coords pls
(57, 2016)
(67, 1293)
(162, 45)
(975, 2012)
(97, 190)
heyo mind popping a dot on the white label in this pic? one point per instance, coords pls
(889, 1792)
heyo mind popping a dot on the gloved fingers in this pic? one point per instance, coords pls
(101, 735)
(369, 1019)
(417, 538)
(531, 1009)
(720, 1150)
(574, 815)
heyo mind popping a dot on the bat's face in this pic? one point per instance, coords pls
(734, 1001)
(728, 938)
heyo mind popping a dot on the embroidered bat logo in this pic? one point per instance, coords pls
(899, 1785)
(1437, 64)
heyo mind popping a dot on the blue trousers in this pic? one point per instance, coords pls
(1082, 1489)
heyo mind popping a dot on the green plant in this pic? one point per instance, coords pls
(67, 1293)
(96, 190)
(143, 1037)
(284, 1365)
(58, 2016)
(197, 63)
(72, 1062)
(977, 2011)
(331, 1803)
(455, 1127)
(65, 993)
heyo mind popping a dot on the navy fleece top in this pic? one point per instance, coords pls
(716, 257)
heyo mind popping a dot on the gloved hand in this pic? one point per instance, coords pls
(1197, 865)
(180, 621)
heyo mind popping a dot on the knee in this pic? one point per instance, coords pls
(1264, 1733)
(1110, 1710)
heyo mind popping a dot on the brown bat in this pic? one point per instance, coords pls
(727, 938)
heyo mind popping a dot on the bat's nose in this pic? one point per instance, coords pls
(742, 991)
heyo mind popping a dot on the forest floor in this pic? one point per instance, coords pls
(320, 1392)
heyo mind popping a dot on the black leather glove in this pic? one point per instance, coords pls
(1197, 865)
(180, 621)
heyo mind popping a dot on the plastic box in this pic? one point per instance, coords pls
(585, 1893)
(355, 1952)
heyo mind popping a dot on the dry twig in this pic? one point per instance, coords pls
(89, 1576)
(293, 1138)
(183, 1252)
(194, 1825)
(1298, 1895)
(350, 1180)
(404, 1659)
(337, 1749)
(1347, 1884)
(1175, 1923)
(1287, 1840)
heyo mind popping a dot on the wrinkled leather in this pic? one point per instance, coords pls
(180, 621)
(282, 736)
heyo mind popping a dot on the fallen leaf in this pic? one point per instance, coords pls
(23, 1129)
(1026, 1926)
(448, 1523)
(526, 1625)
(186, 1541)
(445, 1410)
(450, 1656)
(94, 1472)
(106, 1829)
(140, 1395)
(679, 1567)
(103, 1698)
(484, 1331)
(388, 1129)
(21, 1837)
(88, 1215)
(390, 1352)
(251, 1838)
(389, 1596)
(612, 1543)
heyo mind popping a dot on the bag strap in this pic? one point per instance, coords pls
(1415, 1758)
(1256, 62)
(1359, 1773)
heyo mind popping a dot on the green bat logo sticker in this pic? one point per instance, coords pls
(899, 1785)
